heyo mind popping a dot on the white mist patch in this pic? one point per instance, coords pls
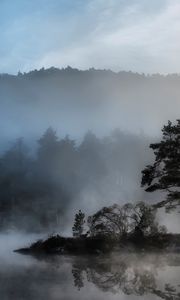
(10, 241)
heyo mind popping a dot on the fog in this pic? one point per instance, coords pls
(43, 189)
(74, 101)
(73, 140)
(125, 276)
(85, 139)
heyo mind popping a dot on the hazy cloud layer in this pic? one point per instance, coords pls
(139, 35)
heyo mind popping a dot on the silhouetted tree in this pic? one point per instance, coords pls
(14, 178)
(110, 220)
(118, 221)
(78, 224)
(164, 174)
(92, 166)
(48, 144)
(144, 219)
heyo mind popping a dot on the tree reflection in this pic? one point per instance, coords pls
(132, 278)
(78, 277)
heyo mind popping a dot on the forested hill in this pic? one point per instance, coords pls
(53, 71)
(74, 101)
(83, 170)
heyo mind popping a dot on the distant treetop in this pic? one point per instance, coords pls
(70, 70)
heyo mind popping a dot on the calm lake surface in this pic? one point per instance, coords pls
(119, 276)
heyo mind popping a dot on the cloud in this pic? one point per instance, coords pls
(132, 35)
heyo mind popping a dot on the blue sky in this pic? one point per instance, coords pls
(137, 35)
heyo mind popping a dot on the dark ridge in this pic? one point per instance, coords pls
(43, 72)
(57, 244)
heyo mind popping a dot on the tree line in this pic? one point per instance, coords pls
(140, 218)
(36, 189)
(120, 221)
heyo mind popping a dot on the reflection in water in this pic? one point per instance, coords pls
(125, 277)
(131, 275)
(78, 277)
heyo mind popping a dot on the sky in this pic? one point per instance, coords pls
(137, 35)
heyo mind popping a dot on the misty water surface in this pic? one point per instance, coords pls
(118, 276)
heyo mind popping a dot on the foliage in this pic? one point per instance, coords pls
(119, 221)
(164, 174)
(36, 188)
(110, 220)
(78, 224)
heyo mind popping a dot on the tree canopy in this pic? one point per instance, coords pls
(164, 173)
(78, 224)
(119, 221)
(41, 184)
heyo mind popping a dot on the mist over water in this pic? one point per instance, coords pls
(110, 119)
(118, 276)
(90, 170)
(76, 150)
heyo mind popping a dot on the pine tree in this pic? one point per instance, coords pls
(164, 174)
(78, 224)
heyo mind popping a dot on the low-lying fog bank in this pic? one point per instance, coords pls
(126, 276)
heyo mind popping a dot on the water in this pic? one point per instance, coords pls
(119, 276)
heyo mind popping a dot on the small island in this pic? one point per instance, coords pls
(127, 228)
(132, 226)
